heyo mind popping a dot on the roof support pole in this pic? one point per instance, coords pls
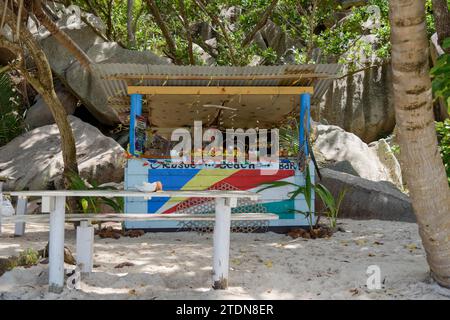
(305, 123)
(135, 110)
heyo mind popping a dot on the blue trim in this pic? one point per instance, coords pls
(305, 110)
(135, 110)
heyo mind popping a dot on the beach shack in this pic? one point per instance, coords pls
(156, 100)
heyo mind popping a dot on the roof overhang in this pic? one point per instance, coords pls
(175, 96)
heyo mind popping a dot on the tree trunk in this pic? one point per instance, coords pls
(43, 84)
(184, 20)
(441, 20)
(165, 31)
(130, 31)
(215, 19)
(421, 162)
(261, 23)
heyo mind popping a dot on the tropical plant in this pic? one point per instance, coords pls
(28, 258)
(288, 134)
(332, 204)
(93, 204)
(441, 75)
(306, 190)
(11, 117)
(443, 132)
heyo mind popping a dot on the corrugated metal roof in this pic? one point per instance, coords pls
(317, 75)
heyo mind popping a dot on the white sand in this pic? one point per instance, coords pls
(264, 266)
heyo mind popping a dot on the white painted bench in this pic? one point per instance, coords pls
(53, 202)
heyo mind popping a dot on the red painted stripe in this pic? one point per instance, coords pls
(241, 180)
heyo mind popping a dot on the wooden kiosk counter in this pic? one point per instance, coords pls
(156, 100)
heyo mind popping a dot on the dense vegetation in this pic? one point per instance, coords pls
(324, 26)
(11, 115)
(441, 89)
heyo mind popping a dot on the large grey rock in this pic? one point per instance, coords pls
(361, 102)
(343, 151)
(69, 21)
(34, 159)
(204, 56)
(59, 57)
(231, 16)
(367, 199)
(389, 161)
(39, 114)
(88, 87)
(273, 36)
(203, 30)
(83, 84)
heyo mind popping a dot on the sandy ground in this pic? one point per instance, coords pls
(263, 266)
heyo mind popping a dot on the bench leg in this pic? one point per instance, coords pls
(85, 246)
(19, 229)
(56, 247)
(221, 244)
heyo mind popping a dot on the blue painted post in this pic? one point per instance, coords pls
(305, 103)
(135, 110)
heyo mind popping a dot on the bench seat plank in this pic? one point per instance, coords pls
(138, 194)
(139, 217)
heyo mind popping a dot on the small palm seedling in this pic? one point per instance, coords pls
(332, 204)
(306, 190)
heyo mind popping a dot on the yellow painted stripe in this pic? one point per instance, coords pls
(204, 179)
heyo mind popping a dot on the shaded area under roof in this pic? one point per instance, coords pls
(172, 111)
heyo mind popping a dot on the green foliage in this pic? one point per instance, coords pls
(308, 24)
(443, 132)
(332, 205)
(441, 88)
(93, 204)
(289, 137)
(306, 190)
(11, 120)
(28, 258)
(441, 75)
(395, 148)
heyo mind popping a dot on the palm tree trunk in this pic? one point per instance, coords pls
(421, 162)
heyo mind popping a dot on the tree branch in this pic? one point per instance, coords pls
(185, 22)
(261, 23)
(164, 29)
(61, 36)
(217, 21)
(130, 33)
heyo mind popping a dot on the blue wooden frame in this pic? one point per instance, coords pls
(135, 110)
(305, 110)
